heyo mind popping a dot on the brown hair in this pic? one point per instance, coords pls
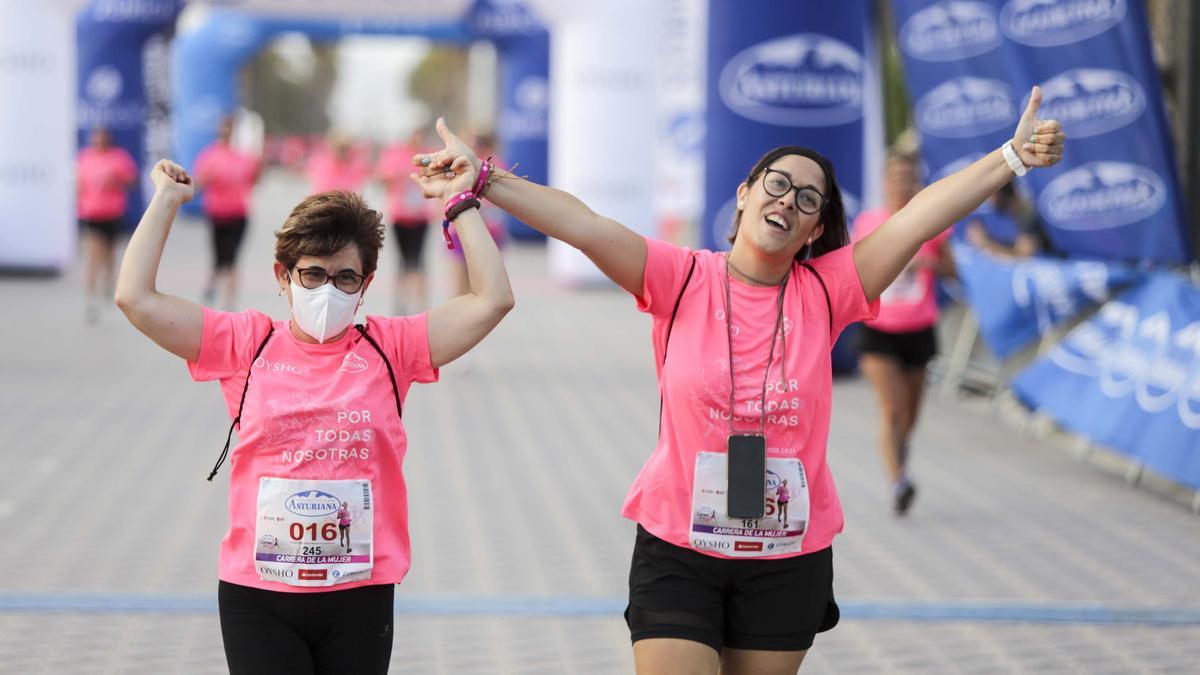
(833, 214)
(325, 223)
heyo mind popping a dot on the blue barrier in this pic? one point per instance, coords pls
(1129, 377)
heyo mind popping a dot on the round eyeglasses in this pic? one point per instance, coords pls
(778, 184)
(313, 278)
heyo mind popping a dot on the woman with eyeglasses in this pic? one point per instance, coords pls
(741, 344)
(318, 403)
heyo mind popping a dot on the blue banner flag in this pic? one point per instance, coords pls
(123, 57)
(1018, 300)
(786, 74)
(522, 122)
(970, 65)
(1129, 378)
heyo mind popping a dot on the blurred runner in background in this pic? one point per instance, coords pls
(104, 175)
(227, 177)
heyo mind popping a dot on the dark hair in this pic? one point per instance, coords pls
(833, 215)
(325, 223)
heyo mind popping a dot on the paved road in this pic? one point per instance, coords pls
(518, 464)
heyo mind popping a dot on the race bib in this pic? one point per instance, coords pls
(780, 531)
(314, 532)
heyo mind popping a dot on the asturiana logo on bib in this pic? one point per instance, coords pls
(1092, 101)
(966, 106)
(1102, 195)
(312, 503)
(803, 80)
(1049, 23)
(951, 30)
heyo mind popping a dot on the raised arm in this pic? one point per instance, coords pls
(881, 256)
(460, 323)
(174, 323)
(618, 251)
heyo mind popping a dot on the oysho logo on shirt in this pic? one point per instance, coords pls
(1102, 195)
(801, 80)
(277, 366)
(966, 106)
(1050, 23)
(1092, 101)
(952, 30)
(353, 363)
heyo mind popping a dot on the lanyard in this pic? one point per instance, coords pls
(762, 412)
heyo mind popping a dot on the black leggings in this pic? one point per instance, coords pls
(269, 632)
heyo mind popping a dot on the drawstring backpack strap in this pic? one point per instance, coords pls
(828, 305)
(237, 421)
(362, 329)
(670, 326)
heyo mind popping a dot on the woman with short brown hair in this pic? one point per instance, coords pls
(318, 405)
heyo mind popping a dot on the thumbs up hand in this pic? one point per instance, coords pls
(1039, 143)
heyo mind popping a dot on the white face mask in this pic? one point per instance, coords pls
(323, 312)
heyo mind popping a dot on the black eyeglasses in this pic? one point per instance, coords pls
(313, 278)
(778, 184)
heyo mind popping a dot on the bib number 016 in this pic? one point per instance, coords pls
(328, 531)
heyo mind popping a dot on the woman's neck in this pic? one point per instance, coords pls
(747, 267)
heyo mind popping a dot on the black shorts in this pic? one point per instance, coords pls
(772, 605)
(268, 632)
(105, 229)
(913, 350)
(227, 234)
(411, 237)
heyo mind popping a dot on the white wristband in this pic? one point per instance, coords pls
(1014, 162)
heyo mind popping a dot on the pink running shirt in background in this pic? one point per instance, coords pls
(226, 178)
(910, 303)
(104, 178)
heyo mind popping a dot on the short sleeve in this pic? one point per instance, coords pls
(406, 343)
(666, 267)
(847, 299)
(227, 343)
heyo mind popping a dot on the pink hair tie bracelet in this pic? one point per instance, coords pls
(454, 207)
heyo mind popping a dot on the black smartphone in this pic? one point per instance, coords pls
(747, 476)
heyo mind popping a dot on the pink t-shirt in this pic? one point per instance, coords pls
(104, 179)
(910, 302)
(227, 178)
(326, 172)
(299, 391)
(695, 379)
(406, 204)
